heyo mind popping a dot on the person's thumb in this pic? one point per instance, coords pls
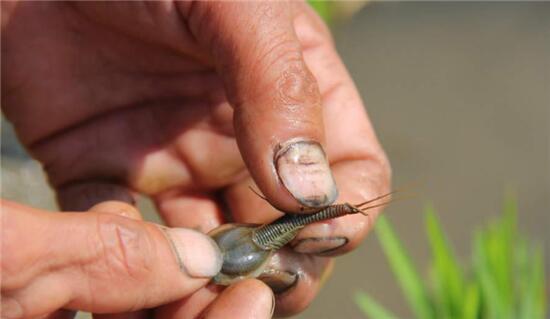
(278, 113)
(97, 262)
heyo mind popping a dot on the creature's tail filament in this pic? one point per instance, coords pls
(370, 201)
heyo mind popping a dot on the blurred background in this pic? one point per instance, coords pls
(459, 94)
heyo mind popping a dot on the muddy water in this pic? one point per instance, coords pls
(460, 96)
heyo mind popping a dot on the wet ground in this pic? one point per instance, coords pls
(460, 96)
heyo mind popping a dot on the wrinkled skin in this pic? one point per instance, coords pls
(185, 103)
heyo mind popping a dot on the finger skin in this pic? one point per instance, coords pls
(192, 306)
(129, 211)
(200, 212)
(117, 208)
(361, 181)
(235, 302)
(197, 211)
(247, 206)
(275, 97)
(311, 273)
(94, 262)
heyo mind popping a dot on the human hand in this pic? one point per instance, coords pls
(102, 263)
(117, 99)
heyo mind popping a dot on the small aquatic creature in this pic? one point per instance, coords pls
(247, 248)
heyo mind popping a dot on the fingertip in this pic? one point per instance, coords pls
(249, 298)
(196, 253)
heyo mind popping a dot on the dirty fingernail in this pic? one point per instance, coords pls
(279, 281)
(304, 170)
(319, 245)
(197, 254)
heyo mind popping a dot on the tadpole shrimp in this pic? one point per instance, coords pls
(247, 248)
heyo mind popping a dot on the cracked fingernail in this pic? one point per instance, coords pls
(304, 170)
(197, 254)
(319, 245)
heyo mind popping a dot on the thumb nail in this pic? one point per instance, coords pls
(197, 254)
(304, 170)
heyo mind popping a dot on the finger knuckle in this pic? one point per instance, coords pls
(296, 86)
(125, 247)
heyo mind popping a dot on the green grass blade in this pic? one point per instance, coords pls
(506, 279)
(438, 295)
(537, 284)
(494, 264)
(448, 275)
(323, 9)
(371, 308)
(542, 297)
(493, 307)
(522, 269)
(471, 306)
(506, 237)
(533, 296)
(405, 272)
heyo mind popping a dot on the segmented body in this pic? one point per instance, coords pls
(247, 249)
(280, 232)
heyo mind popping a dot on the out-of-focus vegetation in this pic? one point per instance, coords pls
(504, 279)
(331, 11)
